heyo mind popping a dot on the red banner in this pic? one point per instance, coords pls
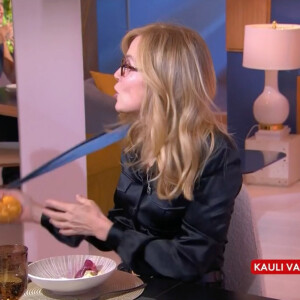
(275, 266)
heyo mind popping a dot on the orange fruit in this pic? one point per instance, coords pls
(10, 209)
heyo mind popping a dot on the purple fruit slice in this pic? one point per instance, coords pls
(88, 265)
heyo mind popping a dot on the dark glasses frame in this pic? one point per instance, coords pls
(125, 66)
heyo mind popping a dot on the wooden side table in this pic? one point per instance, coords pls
(9, 154)
(8, 103)
(283, 172)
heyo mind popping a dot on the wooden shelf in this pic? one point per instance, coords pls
(240, 13)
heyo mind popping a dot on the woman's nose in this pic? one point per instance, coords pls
(117, 74)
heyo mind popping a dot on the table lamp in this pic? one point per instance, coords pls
(271, 47)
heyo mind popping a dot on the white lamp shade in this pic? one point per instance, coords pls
(269, 48)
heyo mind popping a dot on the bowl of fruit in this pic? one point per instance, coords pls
(71, 274)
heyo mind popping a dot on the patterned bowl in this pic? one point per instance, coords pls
(57, 273)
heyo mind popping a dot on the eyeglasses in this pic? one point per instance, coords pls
(126, 67)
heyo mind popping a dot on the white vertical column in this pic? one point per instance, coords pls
(49, 66)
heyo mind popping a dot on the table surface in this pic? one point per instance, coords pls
(8, 103)
(254, 160)
(169, 289)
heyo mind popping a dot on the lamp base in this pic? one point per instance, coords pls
(271, 107)
(283, 172)
(271, 127)
(262, 134)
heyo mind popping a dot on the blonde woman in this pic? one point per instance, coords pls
(180, 169)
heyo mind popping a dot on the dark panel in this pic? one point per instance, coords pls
(112, 25)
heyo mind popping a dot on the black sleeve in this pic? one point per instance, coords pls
(72, 241)
(198, 248)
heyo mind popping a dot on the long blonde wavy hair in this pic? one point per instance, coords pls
(175, 129)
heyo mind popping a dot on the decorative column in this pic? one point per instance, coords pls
(49, 67)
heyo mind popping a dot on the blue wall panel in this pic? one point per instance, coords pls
(243, 86)
(112, 25)
(205, 16)
(287, 11)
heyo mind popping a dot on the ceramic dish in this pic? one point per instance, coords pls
(57, 273)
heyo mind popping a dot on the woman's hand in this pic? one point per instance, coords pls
(81, 218)
(31, 211)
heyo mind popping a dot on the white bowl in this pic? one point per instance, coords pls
(57, 273)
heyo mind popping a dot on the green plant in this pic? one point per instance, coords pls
(8, 18)
(7, 11)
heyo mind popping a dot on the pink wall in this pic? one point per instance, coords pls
(51, 105)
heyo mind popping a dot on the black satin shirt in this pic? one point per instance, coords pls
(179, 239)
